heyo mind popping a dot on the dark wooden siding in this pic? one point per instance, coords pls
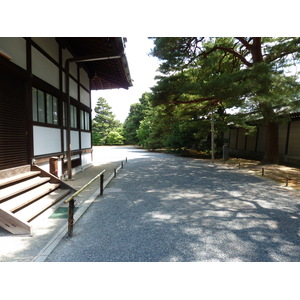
(13, 135)
(294, 141)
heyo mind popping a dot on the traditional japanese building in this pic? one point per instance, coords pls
(37, 92)
(45, 109)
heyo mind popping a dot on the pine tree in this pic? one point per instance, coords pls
(242, 72)
(103, 123)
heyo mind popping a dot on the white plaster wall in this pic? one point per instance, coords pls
(46, 167)
(84, 78)
(86, 160)
(73, 86)
(73, 89)
(46, 140)
(49, 45)
(14, 47)
(74, 140)
(43, 68)
(85, 140)
(84, 97)
(60, 174)
(73, 66)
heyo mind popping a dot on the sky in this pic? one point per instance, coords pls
(142, 68)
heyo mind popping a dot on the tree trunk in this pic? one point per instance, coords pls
(271, 154)
(271, 137)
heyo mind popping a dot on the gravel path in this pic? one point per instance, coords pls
(168, 208)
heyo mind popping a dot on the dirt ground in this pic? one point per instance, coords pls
(284, 175)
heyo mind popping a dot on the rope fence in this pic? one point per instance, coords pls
(103, 184)
(278, 175)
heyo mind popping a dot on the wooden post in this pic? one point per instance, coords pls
(115, 173)
(101, 184)
(71, 217)
(212, 136)
(68, 119)
(122, 166)
(287, 181)
(262, 171)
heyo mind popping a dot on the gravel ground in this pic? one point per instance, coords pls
(165, 208)
(25, 248)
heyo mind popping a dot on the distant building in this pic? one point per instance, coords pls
(252, 146)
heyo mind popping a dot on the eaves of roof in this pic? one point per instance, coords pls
(109, 67)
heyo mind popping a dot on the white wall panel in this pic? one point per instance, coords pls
(73, 66)
(86, 159)
(46, 140)
(72, 85)
(49, 45)
(74, 140)
(43, 68)
(73, 89)
(84, 97)
(85, 140)
(84, 78)
(15, 48)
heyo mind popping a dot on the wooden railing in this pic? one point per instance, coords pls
(71, 200)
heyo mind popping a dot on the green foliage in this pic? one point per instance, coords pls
(245, 73)
(138, 111)
(205, 75)
(114, 138)
(178, 128)
(104, 123)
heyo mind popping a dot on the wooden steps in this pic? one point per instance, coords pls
(13, 224)
(18, 177)
(25, 194)
(29, 213)
(22, 187)
(16, 203)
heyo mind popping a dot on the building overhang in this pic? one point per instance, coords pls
(105, 60)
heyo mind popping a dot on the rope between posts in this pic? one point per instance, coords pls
(71, 200)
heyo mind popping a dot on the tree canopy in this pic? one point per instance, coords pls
(105, 128)
(138, 111)
(248, 73)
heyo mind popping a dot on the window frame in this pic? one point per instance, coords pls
(85, 120)
(73, 116)
(45, 108)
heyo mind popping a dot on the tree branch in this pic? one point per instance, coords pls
(229, 50)
(245, 43)
(271, 58)
(212, 99)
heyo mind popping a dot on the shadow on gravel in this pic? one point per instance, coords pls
(165, 208)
